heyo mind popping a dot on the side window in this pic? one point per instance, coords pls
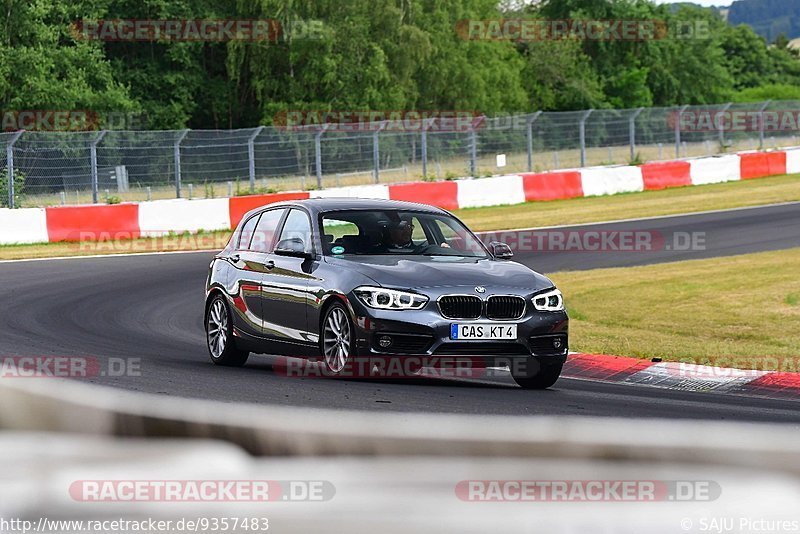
(247, 233)
(418, 235)
(297, 225)
(264, 236)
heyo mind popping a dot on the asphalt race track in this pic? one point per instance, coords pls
(150, 307)
(688, 237)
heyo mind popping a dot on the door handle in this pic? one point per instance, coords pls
(269, 264)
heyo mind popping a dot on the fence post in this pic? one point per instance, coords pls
(632, 131)
(93, 156)
(722, 125)
(678, 131)
(10, 166)
(251, 157)
(177, 155)
(376, 154)
(582, 133)
(424, 146)
(529, 126)
(318, 153)
(473, 152)
(761, 124)
(473, 146)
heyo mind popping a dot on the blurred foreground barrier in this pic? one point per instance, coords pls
(64, 406)
(393, 473)
(61, 483)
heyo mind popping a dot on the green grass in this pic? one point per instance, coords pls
(531, 214)
(701, 310)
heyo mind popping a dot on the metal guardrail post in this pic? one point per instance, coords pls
(761, 124)
(678, 131)
(93, 157)
(376, 154)
(318, 153)
(177, 155)
(251, 157)
(582, 134)
(722, 124)
(529, 133)
(632, 131)
(10, 166)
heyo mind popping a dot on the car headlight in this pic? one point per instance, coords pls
(390, 299)
(549, 301)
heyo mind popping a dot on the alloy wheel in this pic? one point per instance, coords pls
(217, 328)
(336, 339)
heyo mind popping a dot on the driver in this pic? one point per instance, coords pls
(399, 235)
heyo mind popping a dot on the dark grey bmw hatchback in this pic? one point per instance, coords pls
(341, 281)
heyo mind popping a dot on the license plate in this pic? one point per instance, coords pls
(483, 331)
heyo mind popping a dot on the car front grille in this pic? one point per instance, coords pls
(460, 307)
(505, 307)
(481, 349)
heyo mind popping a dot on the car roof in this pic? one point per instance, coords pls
(323, 205)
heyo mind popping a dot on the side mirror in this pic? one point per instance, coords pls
(293, 247)
(501, 251)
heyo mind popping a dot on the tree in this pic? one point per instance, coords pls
(43, 66)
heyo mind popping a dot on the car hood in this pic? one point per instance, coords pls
(443, 271)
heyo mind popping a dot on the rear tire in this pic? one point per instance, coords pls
(546, 376)
(219, 335)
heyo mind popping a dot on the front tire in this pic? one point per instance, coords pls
(219, 335)
(336, 339)
(546, 376)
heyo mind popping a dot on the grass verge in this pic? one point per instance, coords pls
(532, 214)
(700, 310)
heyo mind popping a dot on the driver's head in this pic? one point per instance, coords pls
(400, 232)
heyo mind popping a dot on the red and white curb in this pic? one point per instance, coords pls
(162, 217)
(683, 376)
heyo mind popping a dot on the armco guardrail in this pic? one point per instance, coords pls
(158, 218)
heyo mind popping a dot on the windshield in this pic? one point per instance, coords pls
(397, 232)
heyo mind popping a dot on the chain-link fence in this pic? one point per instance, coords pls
(111, 166)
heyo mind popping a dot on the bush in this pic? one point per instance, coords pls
(768, 92)
(19, 188)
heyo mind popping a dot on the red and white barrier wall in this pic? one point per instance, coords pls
(161, 217)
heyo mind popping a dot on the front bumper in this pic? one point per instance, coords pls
(426, 333)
